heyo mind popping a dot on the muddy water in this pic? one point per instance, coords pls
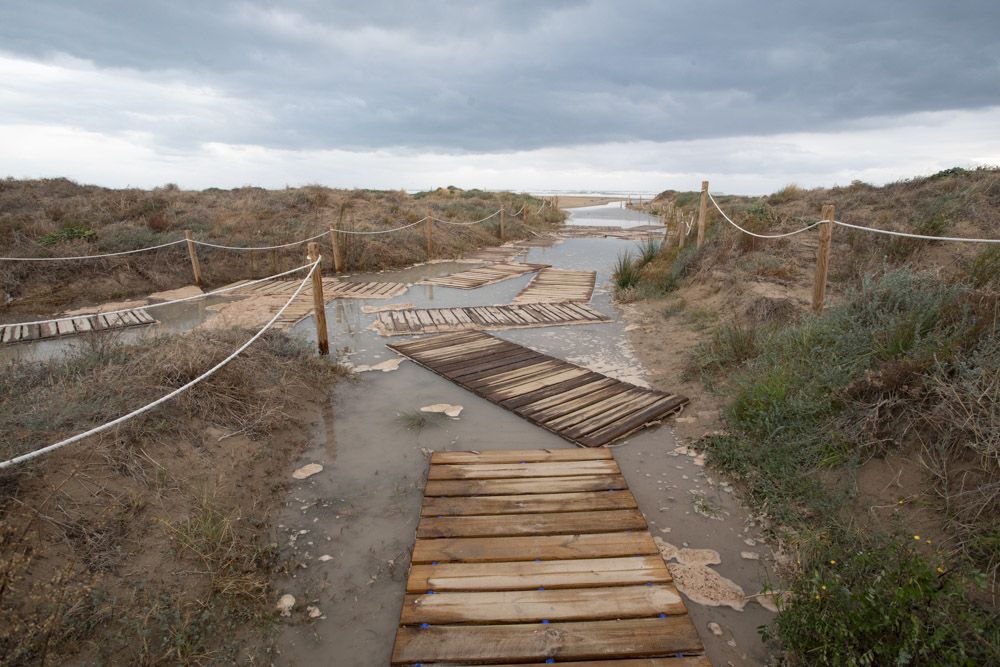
(362, 509)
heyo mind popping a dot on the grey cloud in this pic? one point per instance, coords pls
(491, 76)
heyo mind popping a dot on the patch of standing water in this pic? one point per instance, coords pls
(610, 215)
(361, 511)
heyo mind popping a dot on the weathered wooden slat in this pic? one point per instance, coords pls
(482, 276)
(560, 523)
(529, 575)
(527, 503)
(519, 455)
(506, 487)
(510, 316)
(580, 640)
(545, 547)
(677, 660)
(534, 606)
(507, 470)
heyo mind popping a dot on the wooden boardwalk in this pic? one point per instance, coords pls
(23, 333)
(640, 233)
(558, 286)
(538, 556)
(439, 320)
(580, 405)
(333, 288)
(484, 275)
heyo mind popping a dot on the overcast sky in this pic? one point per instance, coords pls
(523, 94)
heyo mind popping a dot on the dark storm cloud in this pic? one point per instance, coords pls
(510, 75)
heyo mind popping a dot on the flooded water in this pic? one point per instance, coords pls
(614, 215)
(362, 510)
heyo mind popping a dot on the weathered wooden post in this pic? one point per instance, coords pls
(681, 232)
(702, 213)
(503, 214)
(430, 241)
(823, 257)
(319, 304)
(195, 266)
(335, 248)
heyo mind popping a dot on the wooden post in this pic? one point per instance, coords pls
(823, 257)
(702, 213)
(430, 240)
(335, 247)
(319, 304)
(681, 232)
(503, 214)
(195, 266)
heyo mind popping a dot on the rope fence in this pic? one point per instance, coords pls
(23, 458)
(825, 225)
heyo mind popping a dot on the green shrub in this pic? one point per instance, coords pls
(985, 268)
(861, 600)
(627, 272)
(68, 233)
(648, 251)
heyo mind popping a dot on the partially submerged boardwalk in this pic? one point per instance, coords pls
(575, 403)
(538, 555)
(22, 333)
(439, 320)
(484, 275)
(333, 288)
(557, 286)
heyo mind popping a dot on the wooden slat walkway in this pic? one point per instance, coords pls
(332, 289)
(639, 233)
(440, 320)
(558, 286)
(545, 574)
(580, 405)
(22, 333)
(484, 275)
(504, 253)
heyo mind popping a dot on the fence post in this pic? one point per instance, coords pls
(430, 241)
(702, 213)
(503, 214)
(681, 232)
(335, 247)
(195, 266)
(823, 257)
(319, 304)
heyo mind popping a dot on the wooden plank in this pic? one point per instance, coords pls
(545, 547)
(575, 403)
(579, 640)
(522, 455)
(527, 503)
(673, 661)
(506, 470)
(534, 606)
(559, 523)
(506, 487)
(529, 575)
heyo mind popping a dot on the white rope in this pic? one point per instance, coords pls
(540, 208)
(473, 222)
(916, 236)
(109, 254)
(762, 236)
(146, 408)
(221, 290)
(263, 247)
(524, 206)
(383, 231)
